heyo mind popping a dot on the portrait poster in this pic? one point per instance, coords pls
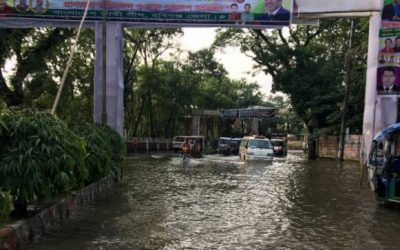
(388, 75)
(206, 13)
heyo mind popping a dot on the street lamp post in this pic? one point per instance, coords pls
(104, 60)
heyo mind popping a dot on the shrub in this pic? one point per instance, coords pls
(5, 204)
(40, 157)
(118, 148)
(98, 148)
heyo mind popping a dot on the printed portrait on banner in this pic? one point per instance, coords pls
(388, 75)
(21, 5)
(388, 80)
(391, 10)
(39, 6)
(3, 4)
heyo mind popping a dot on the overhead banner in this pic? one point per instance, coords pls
(388, 77)
(252, 13)
(249, 113)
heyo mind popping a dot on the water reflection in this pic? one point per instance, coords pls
(223, 203)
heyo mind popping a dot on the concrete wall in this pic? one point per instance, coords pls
(328, 147)
(20, 234)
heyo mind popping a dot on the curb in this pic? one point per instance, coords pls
(17, 235)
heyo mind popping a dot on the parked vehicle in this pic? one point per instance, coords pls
(235, 145)
(224, 146)
(255, 147)
(384, 165)
(279, 147)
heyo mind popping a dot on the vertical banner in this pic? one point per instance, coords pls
(388, 75)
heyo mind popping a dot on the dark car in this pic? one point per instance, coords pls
(279, 146)
(235, 145)
(224, 146)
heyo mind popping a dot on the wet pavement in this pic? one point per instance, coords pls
(222, 203)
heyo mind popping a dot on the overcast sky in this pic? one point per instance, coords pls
(237, 64)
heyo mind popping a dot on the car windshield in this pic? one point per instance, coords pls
(223, 141)
(277, 143)
(259, 144)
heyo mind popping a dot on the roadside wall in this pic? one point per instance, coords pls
(18, 235)
(328, 147)
(140, 145)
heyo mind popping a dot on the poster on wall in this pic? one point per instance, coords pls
(388, 77)
(208, 13)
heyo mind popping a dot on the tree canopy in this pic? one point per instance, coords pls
(163, 84)
(306, 63)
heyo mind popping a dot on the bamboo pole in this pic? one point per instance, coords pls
(69, 63)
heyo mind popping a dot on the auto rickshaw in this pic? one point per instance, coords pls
(384, 165)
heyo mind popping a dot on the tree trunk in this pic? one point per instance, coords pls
(150, 113)
(312, 149)
(10, 98)
(139, 116)
(167, 132)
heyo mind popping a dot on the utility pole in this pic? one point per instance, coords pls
(346, 94)
(104, 60)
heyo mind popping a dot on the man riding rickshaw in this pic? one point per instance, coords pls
(192, 147)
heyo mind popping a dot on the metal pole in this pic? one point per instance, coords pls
(104, 60)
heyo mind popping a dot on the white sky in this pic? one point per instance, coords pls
(237, 64)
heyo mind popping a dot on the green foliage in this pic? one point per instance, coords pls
(40, 56)
(40, 157)
(98, 160)
(105, 149)
(306, 63)
(5, 204)
(117, 147)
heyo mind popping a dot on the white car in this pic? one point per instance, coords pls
(255, 147)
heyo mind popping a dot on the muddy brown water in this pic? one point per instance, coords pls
(222, 203)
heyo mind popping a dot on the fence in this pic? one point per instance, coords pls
(328, 147)
(141, 145)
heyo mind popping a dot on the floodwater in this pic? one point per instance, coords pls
(223, 203)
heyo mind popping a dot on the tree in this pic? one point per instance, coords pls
(40, 56)
(306, 64)
(144, 46)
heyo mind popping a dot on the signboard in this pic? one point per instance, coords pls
(249, 113)
(388, 77)
(241, 13)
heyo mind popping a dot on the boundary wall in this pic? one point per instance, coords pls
(20, 234)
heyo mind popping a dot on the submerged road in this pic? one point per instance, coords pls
(222, 203)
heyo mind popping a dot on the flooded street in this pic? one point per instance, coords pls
(223, 203)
